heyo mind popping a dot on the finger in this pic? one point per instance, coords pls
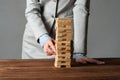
(100, 62)
(91, 60)
(53, 41)
(50, 51)
(52, 47)
(49, 54)
(46, 50)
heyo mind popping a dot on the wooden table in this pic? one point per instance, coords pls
(44, 70)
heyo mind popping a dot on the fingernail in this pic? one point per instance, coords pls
(101, 63)
(84, 62)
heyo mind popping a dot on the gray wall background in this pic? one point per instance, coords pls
(103, 30)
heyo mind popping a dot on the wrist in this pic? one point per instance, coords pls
(43, 38)
(78, 55)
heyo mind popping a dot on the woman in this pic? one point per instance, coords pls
(38, 40)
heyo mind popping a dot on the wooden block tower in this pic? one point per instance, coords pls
(63, 42)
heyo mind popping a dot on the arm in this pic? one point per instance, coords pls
(78, 55)
(33, 16)
(80, 20)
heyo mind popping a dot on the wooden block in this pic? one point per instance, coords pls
(63, 30)
(63, 42)
(62, 64)
(63, 55)
(67, 43)
(64, 48)
(62, 58)
(67, 36)
(63, 39)
(65, 51)
(63, 34)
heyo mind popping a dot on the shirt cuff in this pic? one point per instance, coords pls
(43, 38)
(78, 55)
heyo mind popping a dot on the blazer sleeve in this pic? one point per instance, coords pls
(80, 13)
(33, 16)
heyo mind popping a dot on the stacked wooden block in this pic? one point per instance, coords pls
(63, 42)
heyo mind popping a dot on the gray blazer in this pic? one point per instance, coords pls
(40, 17)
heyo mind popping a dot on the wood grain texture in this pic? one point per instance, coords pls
(45, 70)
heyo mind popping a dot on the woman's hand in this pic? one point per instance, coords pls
(85, 59)
(49, 47)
